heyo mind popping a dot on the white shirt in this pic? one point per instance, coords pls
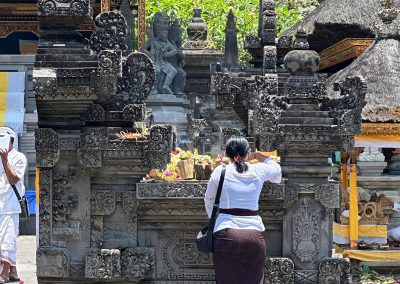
(8, 200)
(241, 190)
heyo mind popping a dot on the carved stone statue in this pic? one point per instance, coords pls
(161, 50)
(178, 60)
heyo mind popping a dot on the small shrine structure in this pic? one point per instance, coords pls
(376, 159)
(305, 123)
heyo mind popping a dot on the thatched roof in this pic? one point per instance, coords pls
(334, 20)
(380, 67)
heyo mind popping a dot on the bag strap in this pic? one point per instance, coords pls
(14, 188)
(16, 192)
(216, 202)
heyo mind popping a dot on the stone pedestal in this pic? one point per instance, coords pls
(371, 162)
(197, 68)
(170, 109)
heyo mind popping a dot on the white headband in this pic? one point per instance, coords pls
(7, 130)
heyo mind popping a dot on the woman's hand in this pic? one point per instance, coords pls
(257, 156)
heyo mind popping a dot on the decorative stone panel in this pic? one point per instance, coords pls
(137, 263)
(279, 271)
(334, 271)
(103, 264)
(52, 262)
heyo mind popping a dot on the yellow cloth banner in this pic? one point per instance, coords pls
(371, 255)
(3, 96)
(377, 231)
(37, 188)
(353, 206)
(343, 176)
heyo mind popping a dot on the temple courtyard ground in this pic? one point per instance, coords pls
(26, 259)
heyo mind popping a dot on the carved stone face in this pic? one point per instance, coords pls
(163, 34)
(161, 26)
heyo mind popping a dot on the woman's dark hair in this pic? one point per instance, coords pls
(236, 149)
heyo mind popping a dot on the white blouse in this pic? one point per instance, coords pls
(8, 200)
(241, 190)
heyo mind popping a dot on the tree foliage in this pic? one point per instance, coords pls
(215, 14)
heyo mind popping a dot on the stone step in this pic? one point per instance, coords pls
(63, 51)
(307, 120)
(66, 57)
(324, 114)
(295, 125)
(302, 107)
(63, 64)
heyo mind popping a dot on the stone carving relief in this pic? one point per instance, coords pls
(279, 271)
(96, 230)
(334, 271)
(221, 86)
(306, 276)
(268, 22)
(371, 154)
(94, 138)
(180, 254)
(45, 207)
(103, 264)
(371, 213)
(47, 148)
(134, 112)
(327, 194)
(195, 126)
(60, 7)
(44, 83)
(138, 77)
(306, 233)
(175, 190)
(137, 263)
(269, 65)
(109, 63)
(102, 202)
(110, 32)
(178, 60)
(165, 54)
(129, 206)
(96, 113)
(63, 202)
(53, 262)
(90, 158)
(273, 191)
(159, 145)
(228, 133)
(352, 92)
(266, 122)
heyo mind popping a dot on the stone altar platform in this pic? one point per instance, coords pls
(170, 109)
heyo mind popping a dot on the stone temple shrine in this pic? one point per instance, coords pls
(100, 223)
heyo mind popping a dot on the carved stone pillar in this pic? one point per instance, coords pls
(305, 125)
(371, 162)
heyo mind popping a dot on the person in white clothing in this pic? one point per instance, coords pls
(11, 172)
(238, 243)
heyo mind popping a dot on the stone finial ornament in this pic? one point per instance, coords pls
(110, 33)
(231, 45)
(388, 14)
(197, 28)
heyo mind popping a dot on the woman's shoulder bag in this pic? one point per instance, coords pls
(205, 236)
(22, 202)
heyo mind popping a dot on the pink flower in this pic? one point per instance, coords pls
(21, 281)
(168, 174)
